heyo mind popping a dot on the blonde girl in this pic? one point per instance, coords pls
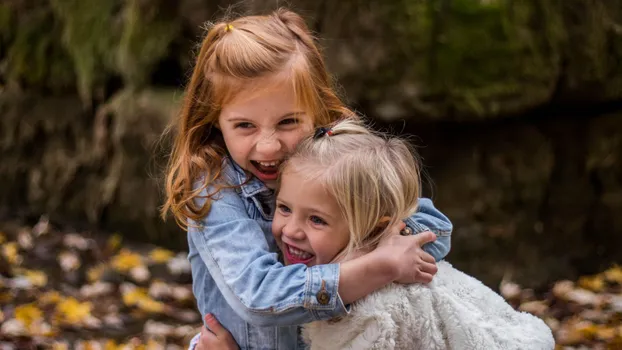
(340, 193)
(258, 87)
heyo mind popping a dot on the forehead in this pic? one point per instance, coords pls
(299, 185)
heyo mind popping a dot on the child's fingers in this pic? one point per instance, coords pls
(426, 257)
(215, 326)
(425, 237)
(429, 268)
(424, 277)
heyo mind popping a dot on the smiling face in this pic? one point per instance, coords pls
(262, 125)
(308, 225)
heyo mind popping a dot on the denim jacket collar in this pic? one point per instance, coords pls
(249, 187)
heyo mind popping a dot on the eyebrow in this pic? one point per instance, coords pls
(286, 115)
(313, 211)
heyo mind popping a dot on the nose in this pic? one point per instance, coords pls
(293, 230)
(268, 145)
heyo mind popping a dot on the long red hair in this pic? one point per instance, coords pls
(231, 56)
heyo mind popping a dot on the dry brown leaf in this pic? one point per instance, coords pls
(96, 289)
(536, 307)
(74, 240)
(179, 264)
(510, 290)
(140, 273)
(69, 261)
(25, 239)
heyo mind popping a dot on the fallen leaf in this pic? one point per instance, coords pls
(126, 260)
(2, 237)
(96, 289)
(24, 239)
(614, 274)
(95, 273)
(36, 278)
(68, 261)
(179, 264)
(42, 227)
(114, 242)
(140, 273)
(160, 255)
(13, 327)
(28, 314)
(594, 283)
(509, 290)
(535, 307)
(74, 240)
(72, 311)
(10, 252)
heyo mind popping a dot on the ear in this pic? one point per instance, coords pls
(383, 222)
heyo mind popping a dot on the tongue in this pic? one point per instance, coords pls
(266, 169)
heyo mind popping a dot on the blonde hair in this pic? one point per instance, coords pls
(373, 177)
(231, 56)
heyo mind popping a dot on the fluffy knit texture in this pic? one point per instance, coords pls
(455, 311)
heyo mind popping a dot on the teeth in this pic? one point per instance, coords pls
(268, 163)
(299, 253)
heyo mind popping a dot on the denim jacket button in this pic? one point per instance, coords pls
(407, 231)
(322, 297)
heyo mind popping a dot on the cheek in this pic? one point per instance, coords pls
(277, 226)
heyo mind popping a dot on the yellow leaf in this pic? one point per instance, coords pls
(138, 297)
(114, 242)
(36, 278)
(72, 311)
(95, 273)
(2, 237)
(614, 274)
(126, 260)
(606, 333)
(153, 345)
(110, 345)
(10, 252)
(51, 297)
(60, 346)
(594, 283)
(160, 255)
(28, 314)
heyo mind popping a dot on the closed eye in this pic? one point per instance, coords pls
(289, 121)
(243, 125)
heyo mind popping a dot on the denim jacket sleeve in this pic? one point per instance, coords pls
(253, 282)
(428, 218)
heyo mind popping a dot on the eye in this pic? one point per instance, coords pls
(317, 220)
(289, 121)
(243, 125)
(284, 209)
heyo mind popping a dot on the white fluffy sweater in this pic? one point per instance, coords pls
(455, 311)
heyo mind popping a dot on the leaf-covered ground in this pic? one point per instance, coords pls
(67, 290)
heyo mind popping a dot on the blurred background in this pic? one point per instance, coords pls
(516, 106)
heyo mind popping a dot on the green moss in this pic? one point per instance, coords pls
(35, 57)
(148, 31)
(476, 53)
(89, 35)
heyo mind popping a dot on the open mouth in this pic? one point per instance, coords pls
(296, 256)
(267, 170)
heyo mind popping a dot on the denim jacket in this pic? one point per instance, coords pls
(238, 278)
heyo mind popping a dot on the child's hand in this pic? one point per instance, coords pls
(412, 264)
(216, 339)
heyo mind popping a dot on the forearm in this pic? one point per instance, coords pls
(362, 276)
